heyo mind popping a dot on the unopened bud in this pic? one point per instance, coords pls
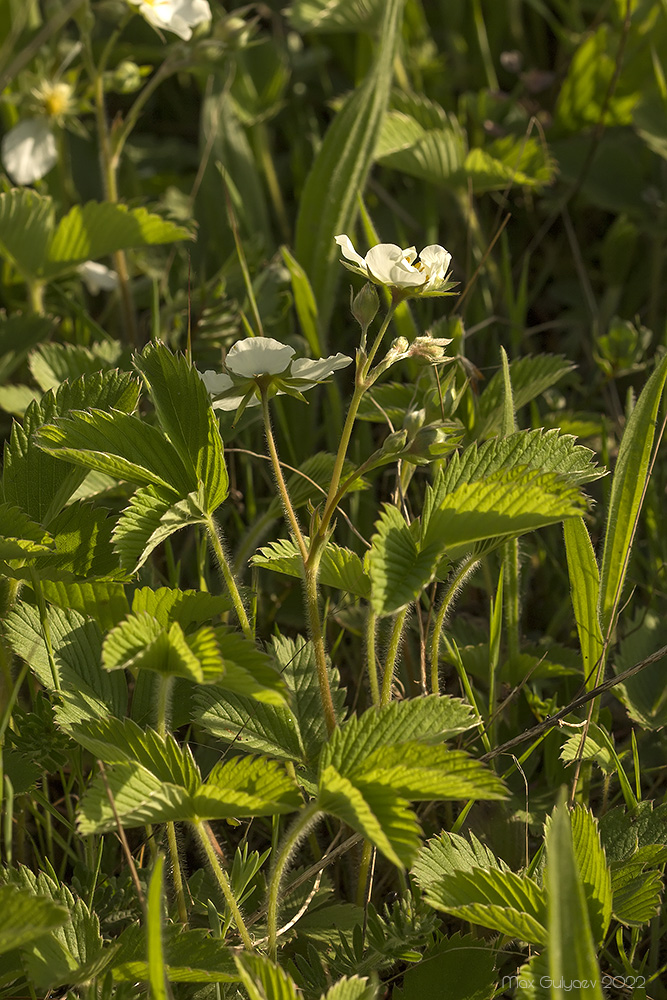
(395, 442)
(126, 78)
(431, 442)
(398, 349)
(413, 421)
(365, 305)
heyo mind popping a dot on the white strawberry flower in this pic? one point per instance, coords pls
(263, 364)
(97, 277)
(178, 16)
(403, 270)
(29, 150)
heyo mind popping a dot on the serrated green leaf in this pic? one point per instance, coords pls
(399, 571)
(246, 786)
(503, 901)
(187, 607)
(378, 813)
(139, 798)
(429, 720)
(97, 229)
(191, 956)
(464, 963)
(340, 567)
(20, 537)
(424, 773)
(434, 155)
(450, 853)
(530, 377)
(52, 364)
(571, 947)
(18, 335)
(627, 492)
(637, 893)
(352, 988)
(290, 732)
(81, 545)
(118, 444)
(141, 643)
(323, 16)
(329, 198)
(123, 741)
(99, 599)
(507, 503)
(37, 482)
(508, 161)
(70, 954)
(77, 646)
(644, 694)
(263, 980)
(149, 519)
(593, 870)
(26, 222)
(26, 917)
(184, 411)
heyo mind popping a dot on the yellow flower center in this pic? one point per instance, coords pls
(55, 98)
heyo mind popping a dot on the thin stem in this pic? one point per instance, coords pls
(228, 576)
(36, 296)
(465, 568)
(371, 660)
(177, 874)
(512, 588)
(299, 829)
(203, 834)
(168, 68)
(392, 653)
(361, 385)
(312, 607)
(280, 480)
(364, 872)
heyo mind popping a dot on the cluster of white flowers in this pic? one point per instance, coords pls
(262, 361)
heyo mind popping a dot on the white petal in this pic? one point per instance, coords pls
(97, 277)
(216, 382)
(29, 151)
(410, 254)
(345, 243)
(388, 266)
(259, 356)
(315, 371)
(436, 260)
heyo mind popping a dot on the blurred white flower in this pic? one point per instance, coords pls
(179, 16)
(29, 151)
(388, 264)
(97, 277)
(262, 361)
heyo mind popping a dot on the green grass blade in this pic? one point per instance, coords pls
(585, 590)
(156, 963)
(627, 493)
(329, 201)
(571, 948)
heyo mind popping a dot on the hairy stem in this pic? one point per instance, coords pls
(303, 823)
(371, 660)
(317, 636)
(392, 653)
(466, 567)
(228, 577)
(203, 834)
(177, 874)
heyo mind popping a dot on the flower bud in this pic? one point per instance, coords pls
(413, 421)
(398, 350)
(395, 442)
(365, 306)
(127, 77)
